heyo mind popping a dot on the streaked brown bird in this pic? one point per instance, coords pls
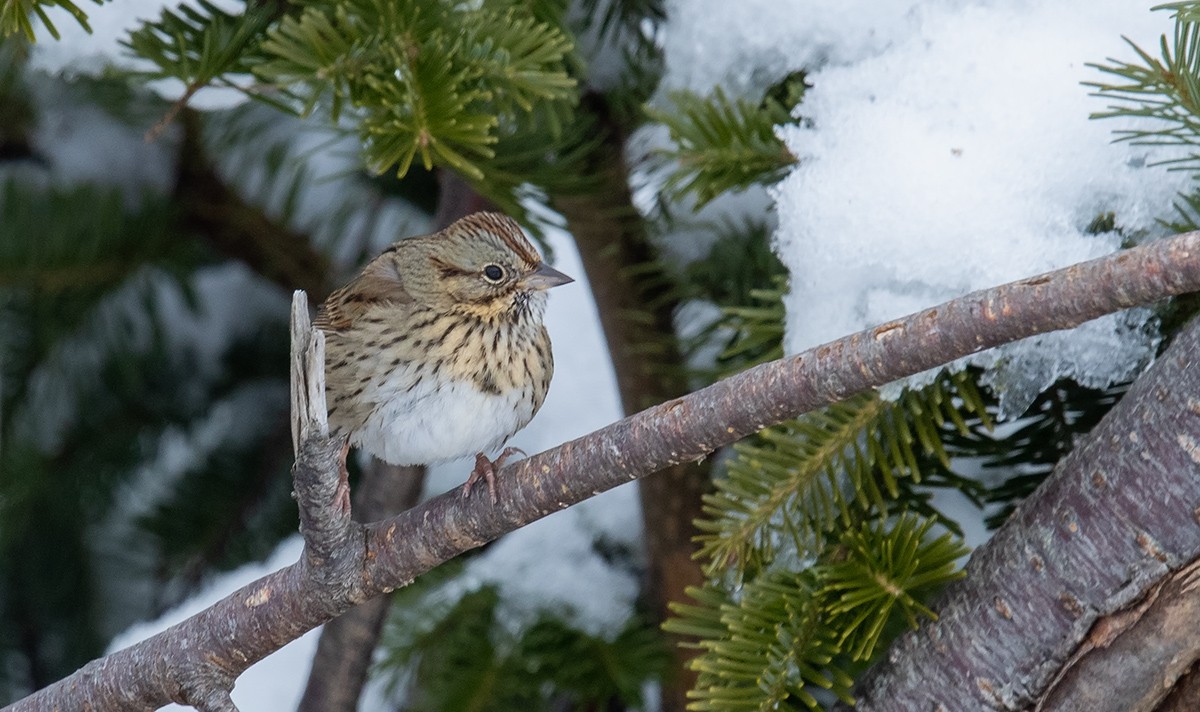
(437, 349)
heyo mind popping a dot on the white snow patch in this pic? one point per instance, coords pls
(79, 143)
(553, 567)
(753, 43)
(959, 155)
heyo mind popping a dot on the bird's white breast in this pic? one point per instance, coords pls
(435, 421)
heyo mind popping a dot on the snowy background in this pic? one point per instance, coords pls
(945, 147)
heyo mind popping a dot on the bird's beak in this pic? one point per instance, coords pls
(545, 277)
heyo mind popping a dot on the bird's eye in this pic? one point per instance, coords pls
(493, 273)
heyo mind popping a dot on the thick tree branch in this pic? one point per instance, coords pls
(1132, 659)
(225, 639)
(347, 644)
(1086, 598)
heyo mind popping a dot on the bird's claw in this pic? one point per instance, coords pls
(485, 469)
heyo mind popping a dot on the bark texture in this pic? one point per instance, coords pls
(347, 644)
(1086, 599)
(345, 563)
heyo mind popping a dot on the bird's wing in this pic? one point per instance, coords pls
(379, 283)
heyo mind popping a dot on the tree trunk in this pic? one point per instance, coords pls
(638, 327)
(1086, 598)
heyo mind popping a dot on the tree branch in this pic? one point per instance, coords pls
(330, 535)
(258, 619)
(1085, 599)
(1132, 659)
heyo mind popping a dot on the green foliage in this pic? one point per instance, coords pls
(723, 144)
(1164, 90)
(461, 657)
(1035, 443)
(761, 648)
(70, 249)
(757, 329)
(77, 238)
(786, 632)
(790, 485)
(732, 276)
(15, 16)
(201, 45)
(439, 81)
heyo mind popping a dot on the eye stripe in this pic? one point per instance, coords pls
(447, 269)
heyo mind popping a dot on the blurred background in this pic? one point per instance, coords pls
(727, 182)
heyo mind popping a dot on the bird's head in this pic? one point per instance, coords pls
(483, 265)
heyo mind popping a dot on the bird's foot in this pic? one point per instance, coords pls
(485, 469)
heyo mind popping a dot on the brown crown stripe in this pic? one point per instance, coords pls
(502, 227)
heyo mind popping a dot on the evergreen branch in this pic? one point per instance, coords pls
(15, 16)
(762, 649)
(1048, 430)
(68, 238)
(199, 46)
(434, 111)
(750, 328)
(204, 653)
(784, 632)
(426, 79)
(466, 657)
(202, 44)
(1165, 90)
(723, 144)
(884, 574)
(521, 60)
(796, 482)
